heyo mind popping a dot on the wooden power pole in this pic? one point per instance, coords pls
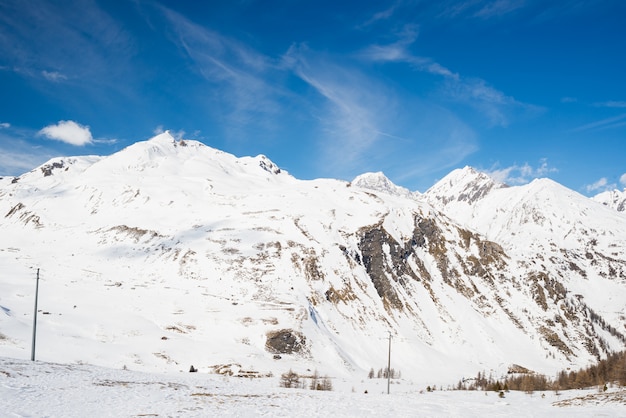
(389, 364)
(32, 353)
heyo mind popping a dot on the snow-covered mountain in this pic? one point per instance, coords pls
(171, 253)
(462, 188)
(379, 182)
(613, 199)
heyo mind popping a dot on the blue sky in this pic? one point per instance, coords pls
(517, 88)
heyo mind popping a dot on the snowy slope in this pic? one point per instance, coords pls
(171, 253)
(571, 248)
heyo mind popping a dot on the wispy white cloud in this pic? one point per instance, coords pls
(5, 125)
(69, 132)
(239, 74)
(14, 163)
(483, 9)
(398, 52)
(17, 154)
(458, 8)
(600, 186)
(569, 100)
(105, 141)
(603, 185)
(53, 76)
(521, 174)
(496, 106)
(499, 8)
(367, 125)
(608, 123)
(77, 39)
(444, 149)
(353, 119)
(618, 104)
(382, 15)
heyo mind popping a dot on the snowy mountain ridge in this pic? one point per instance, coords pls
(379, 182)
(170, 253)
(614, 199)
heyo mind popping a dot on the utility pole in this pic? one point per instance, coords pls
(389, 364)
(32, 353)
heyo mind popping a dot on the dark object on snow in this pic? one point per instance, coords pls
(192, 369)
(285, 341)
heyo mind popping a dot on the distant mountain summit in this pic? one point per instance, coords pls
(379, 182)
(163, 154)
(614, 199)
(465, 185)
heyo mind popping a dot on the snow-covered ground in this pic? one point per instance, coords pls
(40, 389)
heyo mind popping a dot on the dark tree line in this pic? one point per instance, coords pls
(611, 370)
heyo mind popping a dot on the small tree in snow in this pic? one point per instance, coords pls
(290, 379)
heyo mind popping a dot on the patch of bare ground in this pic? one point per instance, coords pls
(618, 397)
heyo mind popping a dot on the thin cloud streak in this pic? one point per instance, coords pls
(15, 163)
(53, 76)
(618, 104)
(238, 74)
(366, 125)
(352, 118)
(499, 8)
(382, 15)
(18, 155)
(481, 9)
(453, 147)
(398, 52)
(55, 42)
(475, 92)
(608, 123)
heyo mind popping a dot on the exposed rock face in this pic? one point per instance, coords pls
(48, 168)
(382, 261)
(285, 341)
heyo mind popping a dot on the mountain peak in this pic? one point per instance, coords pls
(267, 164)
(463, 185)
(379, 182)
(163, 137)
(614, 199)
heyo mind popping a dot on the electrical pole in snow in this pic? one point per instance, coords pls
(32, 353)
(389, 364)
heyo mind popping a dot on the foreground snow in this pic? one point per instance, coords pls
(40, 389)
